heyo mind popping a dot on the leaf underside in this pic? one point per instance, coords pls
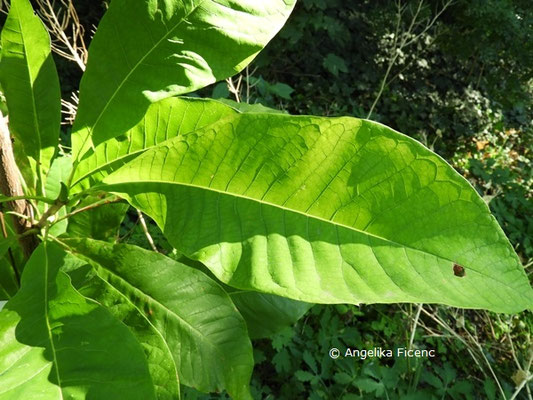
(315, 210)
(265, 314)
(326, 211)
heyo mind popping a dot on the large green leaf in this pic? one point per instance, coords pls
(158, 356)
(29, 79)
(56, 344)
(196, 318)
(326, 211)
(163, 120)
(144, 51)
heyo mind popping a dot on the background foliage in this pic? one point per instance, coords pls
(462, 85)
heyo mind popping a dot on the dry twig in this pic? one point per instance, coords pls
(66, 31)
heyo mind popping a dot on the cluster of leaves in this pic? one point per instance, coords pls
(448, 89)
(355, 378)
(255, 204)
(295, 363)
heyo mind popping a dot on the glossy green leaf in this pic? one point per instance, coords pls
(163, 120)
(12, 255)
(324, 210)
(57, 344)
(158, 356)
(29, 79)
(196, 318)
(145, 51)
(8, 281)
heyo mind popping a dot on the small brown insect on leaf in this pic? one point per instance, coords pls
(458, 270)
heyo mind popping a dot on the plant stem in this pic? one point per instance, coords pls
(11, 186)
(146, 232)
(415, 323)
(527, 378)
(49, 212)
(520, 387)
(90, 207)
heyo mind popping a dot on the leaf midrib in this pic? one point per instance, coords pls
(33, 103)
(136, 289)
(311, 216)
(139, 311)
(47, 320)
(107, 163)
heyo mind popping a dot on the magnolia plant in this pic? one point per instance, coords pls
(271, 212)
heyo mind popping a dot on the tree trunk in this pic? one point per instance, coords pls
(10, 186)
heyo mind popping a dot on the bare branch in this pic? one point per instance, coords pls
(70, 108)
(66, 31)
(146, 232)
(235, 89)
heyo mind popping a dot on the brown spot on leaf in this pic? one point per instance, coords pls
(458, 270)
